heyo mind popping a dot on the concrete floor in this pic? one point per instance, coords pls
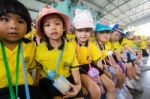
(144, 82)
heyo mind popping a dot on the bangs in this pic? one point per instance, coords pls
(13, 6)
(106, 31)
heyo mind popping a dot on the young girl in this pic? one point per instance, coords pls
(56, 55)
(16, 53)
(104, 46)
(87, 53)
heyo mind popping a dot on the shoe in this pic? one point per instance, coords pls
(119, 94)
(129, 84)
(137, 87)
(137, 77)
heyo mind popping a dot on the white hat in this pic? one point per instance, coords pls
(83, 19)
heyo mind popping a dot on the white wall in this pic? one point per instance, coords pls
(33, 6)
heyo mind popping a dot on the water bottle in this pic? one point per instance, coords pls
(61, 84)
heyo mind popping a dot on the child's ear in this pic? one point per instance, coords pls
(64, 29)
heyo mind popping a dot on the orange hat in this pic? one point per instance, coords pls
(50, 10)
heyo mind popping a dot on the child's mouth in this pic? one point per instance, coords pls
(13, 34)
(55, 33)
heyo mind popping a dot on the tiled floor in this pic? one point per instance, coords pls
(145, 83)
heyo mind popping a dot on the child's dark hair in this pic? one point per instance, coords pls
(14, 6)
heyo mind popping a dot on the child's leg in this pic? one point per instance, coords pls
(109, 85)
(120, 77)
(92, 88)
(129, 71)
(57, 97)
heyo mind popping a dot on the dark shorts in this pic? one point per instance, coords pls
(50, 91)
(35, 93)
(129, 60)
(144, 53)
(83, 69)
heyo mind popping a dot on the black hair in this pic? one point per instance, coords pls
(122, 36)
(14, 6)
(104, 31)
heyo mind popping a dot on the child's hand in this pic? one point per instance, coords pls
(74, 91)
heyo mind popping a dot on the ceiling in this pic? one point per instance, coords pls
(121, 11)
(116, 11)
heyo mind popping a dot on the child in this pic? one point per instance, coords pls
(56, 54)
(102, 41)
(16, 53)
(88, 54)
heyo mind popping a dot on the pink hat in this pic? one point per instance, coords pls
(83, 19)
(50, 10)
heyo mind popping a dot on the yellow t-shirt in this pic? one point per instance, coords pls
(48, 58)
(127, 41)
(31, 34)
(116, 46)
(29, 51)
(103, 52)
(143, 44)
(70, 36)
(83, 52)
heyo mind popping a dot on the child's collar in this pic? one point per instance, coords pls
(61, 47)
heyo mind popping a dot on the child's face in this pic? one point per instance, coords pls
(53, 27)
(12, 27)
(103, 37)
(115, 36)
(83, 34)
(130, 36)
(136, 39)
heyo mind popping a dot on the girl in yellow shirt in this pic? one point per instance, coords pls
(102, 36)
(57, 56)
(16, 53)
(89, 56)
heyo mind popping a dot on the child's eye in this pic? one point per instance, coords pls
(21, 21)
(47, 25)
(57, 23)
(87, 30)
(4, 19)
(79, 30)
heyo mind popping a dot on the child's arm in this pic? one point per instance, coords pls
(99, 64)
(76, 77)
(75, 88)
(129, 49)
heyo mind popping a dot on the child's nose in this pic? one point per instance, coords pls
(53, 27)
(13, 25)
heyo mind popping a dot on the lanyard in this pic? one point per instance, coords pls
(99, 46)
(8, 71)
(59, 60)
(25, 75)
